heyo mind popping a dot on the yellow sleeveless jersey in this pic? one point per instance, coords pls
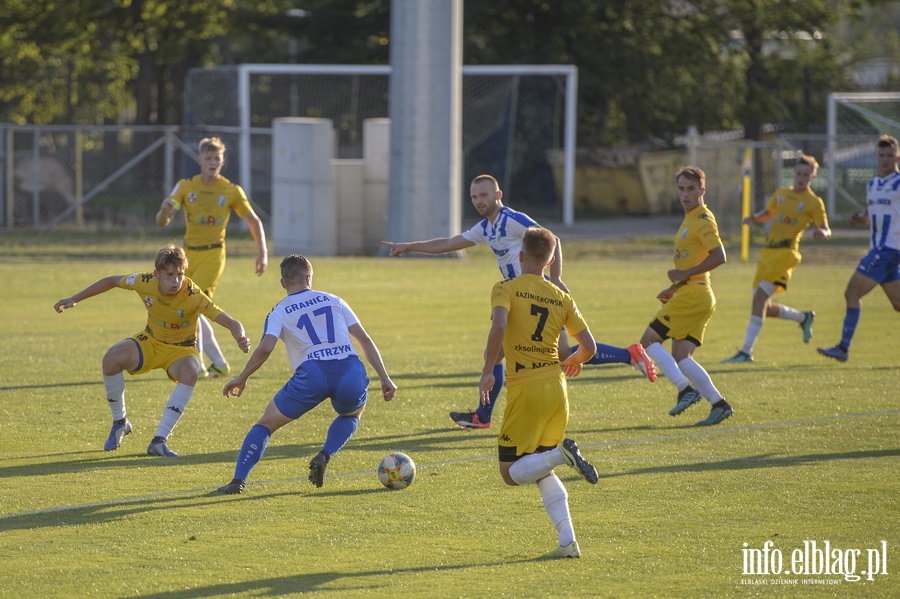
(207, 208)
(697, 236)
(538, 310)
(792, 212)
(171, 319)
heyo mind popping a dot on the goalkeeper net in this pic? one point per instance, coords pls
(855, 120)
(517, 122)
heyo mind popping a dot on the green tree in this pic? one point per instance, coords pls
(91, 60)
(55, 65)
(769, 39)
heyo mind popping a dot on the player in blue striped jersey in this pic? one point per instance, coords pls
(881, 266)
(318, 330)
(502, 228)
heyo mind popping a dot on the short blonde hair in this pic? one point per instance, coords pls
(211, 144)
(171, 255)
(538, 244)
(809, 161)
(482, 178)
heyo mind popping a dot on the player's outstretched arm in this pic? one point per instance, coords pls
(166, 212)
(492, 349)
(715, 258)
(96, 288)
(235, 386)
(556, 267)
(859, 218)
(373, 357)
(237, 330)
(586, 348)
(259, 236)
(440, 245)
(762, 216)
(820, 233)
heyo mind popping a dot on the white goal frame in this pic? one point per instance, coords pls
(853, 101)
(569, 72)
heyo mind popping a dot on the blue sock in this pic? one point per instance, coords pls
(484, 412)
(608, 354)
(850, 322)
(340, 431)
(252, 451)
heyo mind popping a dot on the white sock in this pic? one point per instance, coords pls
(665, 363)
(788, 313)
(178, 401)
(700, 379)
(115, 394)
(209, 344)
(556, 504)
(529, 468)
(753, 329)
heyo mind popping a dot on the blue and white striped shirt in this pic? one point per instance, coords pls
(504, 236)
(883, 205)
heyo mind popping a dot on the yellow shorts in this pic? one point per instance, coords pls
(156, 354)
(686, 315)
(205, 268)
(536, 416)
(776, 266)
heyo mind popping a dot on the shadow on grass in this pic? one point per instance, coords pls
(312, 581)
(97, 382)
(761, 461)
(421, 442)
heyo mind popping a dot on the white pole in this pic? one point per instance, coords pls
(244, 123)
(831, 144)
(570, 147)
(425, 108)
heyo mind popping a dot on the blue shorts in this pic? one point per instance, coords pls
(344, 381)
(881, 264)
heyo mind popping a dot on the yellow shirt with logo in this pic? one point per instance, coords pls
(207, 208)
(792, 212)
(697, 236)
(171, 319)
(538, 310)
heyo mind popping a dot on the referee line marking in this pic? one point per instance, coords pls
(651, 439)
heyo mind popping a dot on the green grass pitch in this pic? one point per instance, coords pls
(811, 454)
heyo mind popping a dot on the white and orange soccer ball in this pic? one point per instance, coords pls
(396, 470)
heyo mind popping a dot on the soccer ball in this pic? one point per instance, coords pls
(396, 470)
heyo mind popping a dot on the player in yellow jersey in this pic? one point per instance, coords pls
(208, 200)
(174, 305)
(527, 316)
(791, 210)
(689, 302)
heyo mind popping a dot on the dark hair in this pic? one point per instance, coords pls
(886, 141)
(693, 173)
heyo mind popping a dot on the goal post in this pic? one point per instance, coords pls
(255, 111)
(854, 121)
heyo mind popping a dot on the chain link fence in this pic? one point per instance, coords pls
(117, 176)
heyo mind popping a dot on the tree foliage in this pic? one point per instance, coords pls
(647, 70)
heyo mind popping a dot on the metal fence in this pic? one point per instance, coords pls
(117, 176)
